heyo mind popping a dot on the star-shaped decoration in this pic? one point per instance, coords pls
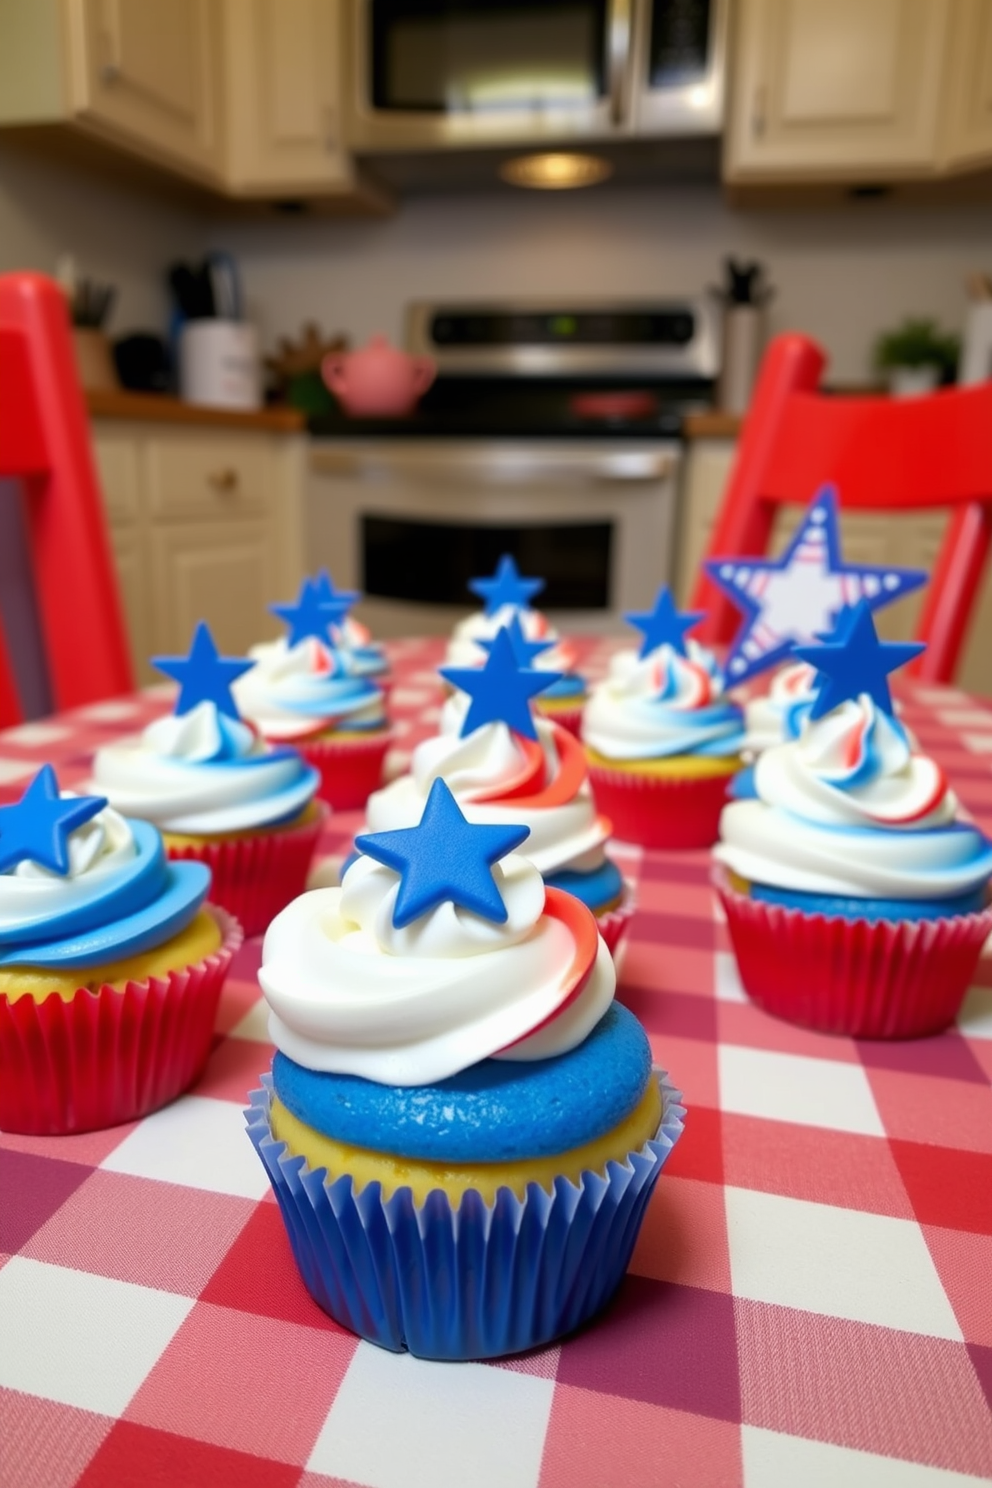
(500, 689)
(311, 615)
(38, 826)
(523, 649)
(506, 587)
(204, 676)
(445, 858)
(787, 601)
(856, 662)
(663, 626)
(327, 594)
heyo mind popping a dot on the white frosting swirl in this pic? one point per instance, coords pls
(848, 809)
(351, 994)
(464, 651)
(776, 716)
(32, 894)
(294, 691)
(567, 836)
(661, 704)
(203, 773)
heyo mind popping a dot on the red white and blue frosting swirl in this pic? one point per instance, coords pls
(295, 691)
(660, 705)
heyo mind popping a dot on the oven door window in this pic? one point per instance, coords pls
(680, 43)
(454, 57)
(432, 562)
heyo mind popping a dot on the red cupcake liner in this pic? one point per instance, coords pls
(106, 1057)
(350, 769)
(255, 877)
(660, 810)
(613, 924)
(879, 979)
(569, 718)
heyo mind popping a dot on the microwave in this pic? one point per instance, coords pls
(432, 74)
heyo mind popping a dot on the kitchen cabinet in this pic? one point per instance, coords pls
(911, 541)
(848, 90)
(241, 97)
(967, 136)
(283, 90)
(205, 523)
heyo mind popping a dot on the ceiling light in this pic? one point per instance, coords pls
(557, 171)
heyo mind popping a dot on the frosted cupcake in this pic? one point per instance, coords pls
(778, 714)
(110, 965)
(305, 692)
(461, 1127)
(662, 740)
(507, 597)
(217, 792)
(856, 897)
(505, 765)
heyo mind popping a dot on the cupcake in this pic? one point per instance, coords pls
(461, 1127)
(507, 603)
(110, 965)
(506, 765)
(304, 691)
(217, 792)
(366, 658)
(856, 898)
(662, 741)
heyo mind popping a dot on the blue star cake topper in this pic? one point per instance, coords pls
(506, 587)
(204, 676)
(500, 689)
(663, 626)
(789, 600)
(311, 615)
(855, 661)
(37, 827)
(328, 594)
(523, 649)
(445, 858)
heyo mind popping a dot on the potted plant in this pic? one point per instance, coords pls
(916, 357)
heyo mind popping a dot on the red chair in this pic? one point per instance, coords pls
(45, 446)
(882, 454)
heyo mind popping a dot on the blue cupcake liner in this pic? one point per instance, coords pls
(473, 1282)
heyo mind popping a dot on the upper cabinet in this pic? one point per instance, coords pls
(239, 96)
(283, 91)
(144, 73)
(967, 135)
(836, 89)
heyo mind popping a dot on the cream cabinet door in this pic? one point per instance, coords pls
(225, 573)
(836, 89)
(282, 75)
(129, 560)
(145, 74)
(967, 135)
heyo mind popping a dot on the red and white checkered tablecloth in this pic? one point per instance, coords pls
(809, 1304)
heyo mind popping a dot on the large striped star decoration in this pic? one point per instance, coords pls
(791, 600)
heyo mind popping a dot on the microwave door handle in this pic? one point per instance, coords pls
(618, 57)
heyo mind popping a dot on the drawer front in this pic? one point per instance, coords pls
(117, 467)
(208, 476)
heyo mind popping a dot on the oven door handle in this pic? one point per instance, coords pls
(495, 467)
(618, 58)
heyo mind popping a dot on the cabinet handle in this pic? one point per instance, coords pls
(225, 480)
(758, 113)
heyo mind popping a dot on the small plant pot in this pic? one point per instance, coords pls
(913, 382)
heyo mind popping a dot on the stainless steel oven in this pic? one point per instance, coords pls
(427, 74)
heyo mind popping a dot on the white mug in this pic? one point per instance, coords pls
(218, 364)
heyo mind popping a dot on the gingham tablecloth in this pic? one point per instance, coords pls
(809, 1304)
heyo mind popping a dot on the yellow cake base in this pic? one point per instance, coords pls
(200, 938)
(366, 1166)
(674, 766)
(189, 839)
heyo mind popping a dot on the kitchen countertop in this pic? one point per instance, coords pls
(712, 425)
(159, 408)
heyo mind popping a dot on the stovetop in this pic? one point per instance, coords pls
(462, 407)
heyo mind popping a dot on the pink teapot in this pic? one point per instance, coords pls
(378, 380)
